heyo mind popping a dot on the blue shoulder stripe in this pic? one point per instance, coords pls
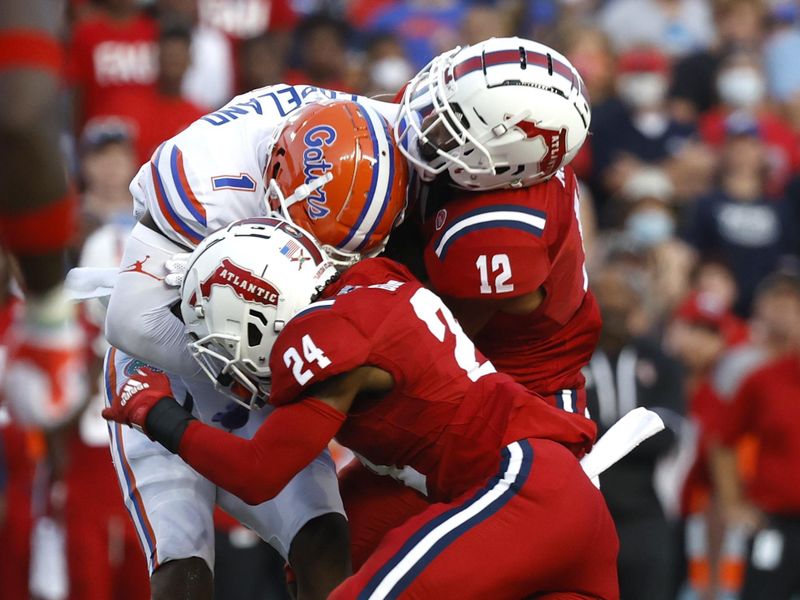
(501, 215)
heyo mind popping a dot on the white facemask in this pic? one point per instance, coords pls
(740, 87)
(642, 90)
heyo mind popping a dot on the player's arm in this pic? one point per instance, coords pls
(473, 314)
(140, 319)
(257, 469)
(488, 270)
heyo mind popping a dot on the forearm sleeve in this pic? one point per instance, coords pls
(140, 321)
(256, 470)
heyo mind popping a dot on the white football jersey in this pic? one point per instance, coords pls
(212, 173)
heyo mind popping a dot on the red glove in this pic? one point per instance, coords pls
(137, 398)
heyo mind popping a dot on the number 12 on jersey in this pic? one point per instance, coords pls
(311, 353)
(500, 268)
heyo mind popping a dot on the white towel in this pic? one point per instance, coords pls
(627, 433)
(83, 283)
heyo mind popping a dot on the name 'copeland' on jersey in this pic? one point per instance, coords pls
(212, 173)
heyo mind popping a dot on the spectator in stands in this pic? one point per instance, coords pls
(320, 42)
(676, 27)
(209, 81)
(781, 51)
(164, 111)
(739, 25)
(767, 406)
(589, 50)
(484, 21)
(427, 27)
(112, 60)
(637, 129)
(627, 371)
(262, 60)
(649, 224)
(741, 87)
(700, 335)
(386, 69)
(108, 163)
(244, 19)
(736, 222)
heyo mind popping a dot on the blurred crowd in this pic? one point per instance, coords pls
(690, 212)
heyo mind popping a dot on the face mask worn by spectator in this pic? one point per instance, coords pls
(649, 228)
(643, 90)
(741, 87)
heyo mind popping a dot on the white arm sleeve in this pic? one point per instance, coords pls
(139, 320)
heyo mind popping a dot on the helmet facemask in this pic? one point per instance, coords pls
(341, 258)
(336, 173)
(243, 284)
(461, 96)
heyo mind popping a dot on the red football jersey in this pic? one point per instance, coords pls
(507, 243)
(111, 61)
(449, 412)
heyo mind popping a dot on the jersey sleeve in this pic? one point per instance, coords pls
(188, 201)
(493, 252)
(315, 345)
(173, 199)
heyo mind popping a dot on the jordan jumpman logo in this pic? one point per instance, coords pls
(137, 267)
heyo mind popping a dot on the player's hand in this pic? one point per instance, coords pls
(46, 382)
(176, 269)
(137, 397)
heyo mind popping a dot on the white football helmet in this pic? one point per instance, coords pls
(242, 284)
(507, 112)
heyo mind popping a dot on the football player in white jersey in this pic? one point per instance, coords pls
(333, 154)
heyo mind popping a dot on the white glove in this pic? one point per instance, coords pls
(176, 269)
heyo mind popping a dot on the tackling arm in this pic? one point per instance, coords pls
(259, 468)
(256, 470)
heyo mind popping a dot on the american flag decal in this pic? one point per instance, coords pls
(290, 249)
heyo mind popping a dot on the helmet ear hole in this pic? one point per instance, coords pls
(254, 335)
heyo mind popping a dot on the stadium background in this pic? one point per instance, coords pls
(691, 185)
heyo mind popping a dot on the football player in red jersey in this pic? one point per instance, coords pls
(381, 364)
(37, 218)
(500, 121)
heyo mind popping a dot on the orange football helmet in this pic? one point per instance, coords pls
(336, 172)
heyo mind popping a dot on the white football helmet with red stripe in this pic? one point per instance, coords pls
(507, 112)
(242, 284)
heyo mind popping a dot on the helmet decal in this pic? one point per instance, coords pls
(555, 141)
(244, 283)
(314, 166)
